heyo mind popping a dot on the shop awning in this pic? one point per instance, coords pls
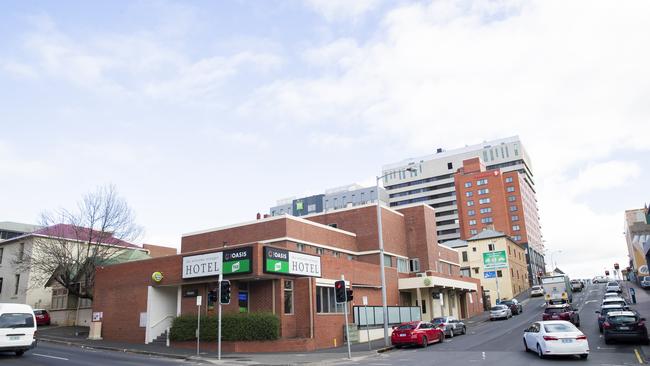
(434, 281)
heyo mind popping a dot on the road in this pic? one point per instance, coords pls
(54, 354)
(500, 342)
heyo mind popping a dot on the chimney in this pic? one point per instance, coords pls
(259, 215)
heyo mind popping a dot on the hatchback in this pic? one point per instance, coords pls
(613, 287)
(42, 317)
(536, 291)
(602, 313)
(416, 333)
(624, 325)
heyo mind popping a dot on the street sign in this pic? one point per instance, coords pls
(490, 274)
(495, 260)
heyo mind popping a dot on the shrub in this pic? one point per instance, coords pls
(234, 327)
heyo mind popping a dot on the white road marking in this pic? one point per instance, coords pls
(48, 356)
(483, 355)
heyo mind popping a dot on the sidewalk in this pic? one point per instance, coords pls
(643, 307)
(76, 336)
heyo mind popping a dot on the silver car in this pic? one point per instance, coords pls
(613, 287)
(450, 325)
(500, 312)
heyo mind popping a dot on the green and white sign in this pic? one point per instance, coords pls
(281, 261)
(233, 261)
(237, 261)
(495, 260)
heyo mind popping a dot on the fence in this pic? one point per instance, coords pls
(396, 315)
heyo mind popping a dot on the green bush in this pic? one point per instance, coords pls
(234, 327)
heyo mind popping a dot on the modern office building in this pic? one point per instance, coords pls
(637, 237)
(9, 230)
(431, 179)
(333, 199)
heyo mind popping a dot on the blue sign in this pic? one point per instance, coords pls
(490, 274)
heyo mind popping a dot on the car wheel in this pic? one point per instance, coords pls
(525, 346)
(584, 356)
(20, 353)
(451, 333)
(425, 342)
(578, 322)
(607, 341)
(442, 337)
(600, 329)
(539, 351)
(398, 346)
(464, 330)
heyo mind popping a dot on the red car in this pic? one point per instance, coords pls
(42, 317)
(562, 312)
(416, 333)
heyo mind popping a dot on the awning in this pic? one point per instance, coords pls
(434, 281)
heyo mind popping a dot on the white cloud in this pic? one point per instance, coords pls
(17, 69)
(334, 10)
(610, 174)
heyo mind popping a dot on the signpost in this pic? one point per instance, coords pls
(491, 262)
(345, 314)
(219, 321)
(365, 308)
(198, 324)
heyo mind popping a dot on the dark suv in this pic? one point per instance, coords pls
(514, 306)
(602, 313)
(562, 312)
(624, 325)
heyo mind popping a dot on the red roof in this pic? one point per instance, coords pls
(72, 232)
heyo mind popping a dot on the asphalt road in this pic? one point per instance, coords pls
(55, 354)
(500, 342)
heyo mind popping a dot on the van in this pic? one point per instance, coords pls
(17, 328)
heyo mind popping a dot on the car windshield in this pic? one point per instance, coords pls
(646, 278)
(607, 310)
(498, 307)
(406, 327)
(38, 312)
(537, 287)
(555, 310)
(507, 302)
(439, 320)
(618, 302)
(16, 320)
(612, 284)
(558, 328)
(622, 319)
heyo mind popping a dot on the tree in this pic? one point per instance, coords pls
(72, 244)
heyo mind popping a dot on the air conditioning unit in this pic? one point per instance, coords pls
(421, 274)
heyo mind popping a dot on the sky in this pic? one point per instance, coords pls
(204, 113)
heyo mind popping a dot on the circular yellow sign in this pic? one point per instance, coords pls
(157, 276)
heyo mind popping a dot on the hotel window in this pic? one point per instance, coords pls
(300, 247)
(486, 210)
(509, 180)
(468, 184)
(483, 191)
(17, 284)
(471, 213)
(512, 198)
(288, 297)
(481, 182)
(515, 227)
(326, 300)
(470, 203)
(510, 189)
(513, 208)
(473, 232)
(464, 256)
(414, 265)
(483, 201)
(402, 265)
(465, 272)
(472, 222)
(388, 260)
(469, 194)
(320, 251)
(486, 220)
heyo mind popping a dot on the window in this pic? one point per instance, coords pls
(465, 272)
(59, 296)
(473, 249)
(470, 203)
(499, 273)
(450, 166)
(473, 232)
(512, 198)
(469, 194)
(510, 189)
(483, 201)
(1, 253)
(464, 256)
(483, 191)
(486, 220)
(471, 213)
(481, 182)
(513, 208)
(514, 217)
(17, 284)
(326, 300)
(468, 184)
(485, 210)
(491, 247)
(242, 297)
(300, 247)
(414, 265)
(320, 251)
(472, 222)
(476, 270)
(350, 257)
(509, 180)
(423, 303)
(516, 237)
(388, 260)
(402, 265)
(515, 227)
(311, 208)
(512, 272)
(288, 297)
(21, 251)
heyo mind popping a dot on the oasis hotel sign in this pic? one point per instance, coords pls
(233, 261)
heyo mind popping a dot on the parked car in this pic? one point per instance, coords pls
(536, 291)
(450, 325)
(614, 301)
(600, 279)
(515, 306)
(500, 312)
(42, 317)
(624, 325)
(602, 313)
(562, 312)
(416, 333)
(611, 294)
(613, 287)
(645, 282)
(17, 328)
(576, 285)
(555, 338)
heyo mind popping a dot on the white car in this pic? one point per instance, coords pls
(613, 287)
(614, 301)
(555, 337)
(611, 294)
(17, 328)
(500, 312)
(536, 291)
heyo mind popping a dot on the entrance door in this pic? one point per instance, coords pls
(162, 306)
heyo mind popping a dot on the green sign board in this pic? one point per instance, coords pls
(494, 260)
(281, 261)
(237, 261)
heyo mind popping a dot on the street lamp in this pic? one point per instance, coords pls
(381, 258)
(551, 253)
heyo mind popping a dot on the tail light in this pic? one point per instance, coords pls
(550, 338)
(581, 337)
(606, 325)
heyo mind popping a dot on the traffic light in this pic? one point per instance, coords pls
(348, 295)
(339, 287)
(615, 265)
(606, 273)
(225, 292)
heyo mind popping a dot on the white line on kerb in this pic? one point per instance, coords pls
(48, 356)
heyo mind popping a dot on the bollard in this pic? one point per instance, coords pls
(633, 295)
